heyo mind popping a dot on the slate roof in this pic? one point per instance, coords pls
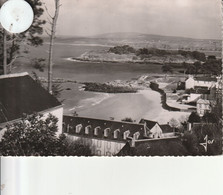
(205, 79)
(103, 124)
(202, 101)
(20, 94)
(166, 128)
(150, 124)
(155, 147)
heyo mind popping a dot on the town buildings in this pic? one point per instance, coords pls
(203, 106)
(108, 137)
(20, 94)
(207, 82)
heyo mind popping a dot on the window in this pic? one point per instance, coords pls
(106, 131)
(99, 152)
(116, 132)
(96, 129)
(126, 134)
(98, 143)
(136, 135)
(78, 128)
(108, 145)
(87, 129)
(67, 130)
(108, 153)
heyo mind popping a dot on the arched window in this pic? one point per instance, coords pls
(96, 129)
(126, 134)
(78, 128)
(106, 132)
(87, 129)
(136, 135)
(64, 127)
(116, 132)
(99, 152)
(108, 154)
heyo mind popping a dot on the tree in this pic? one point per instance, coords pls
(191, 69)
(190, 141)
(204, 139)
(194, 118)
(127, 119)
(12, 44)
(212, 66)
(35, 135)
(52, 33)
(32, 136)
(174, 123)
(197, 66)
(38, 63)
(209, 118)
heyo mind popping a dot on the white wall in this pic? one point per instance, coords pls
(204, 83)
(189, 83)
(156, 131)
(100, 147)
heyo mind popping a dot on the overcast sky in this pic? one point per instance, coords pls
(188, 18)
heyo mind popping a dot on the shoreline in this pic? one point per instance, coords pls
(160, 114)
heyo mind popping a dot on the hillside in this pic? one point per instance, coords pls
(139, 40)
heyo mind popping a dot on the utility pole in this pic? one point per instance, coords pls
(52, 36)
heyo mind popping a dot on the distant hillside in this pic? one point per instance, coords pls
(132, 35)
(140, 40)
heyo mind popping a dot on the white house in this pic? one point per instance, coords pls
(193, 82)
(104, 137)
(153, 129)
(203, 106)
(20, 94)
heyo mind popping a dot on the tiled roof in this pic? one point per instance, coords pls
(202, 101)
(20, 94)
(150, 124)
(166, 128)
(110, 125)
(205, 79)
(155, 147)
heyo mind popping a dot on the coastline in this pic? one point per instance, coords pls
(158, 113)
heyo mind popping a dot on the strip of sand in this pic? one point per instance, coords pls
(157, 113)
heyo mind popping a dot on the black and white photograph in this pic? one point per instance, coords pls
(111, 78)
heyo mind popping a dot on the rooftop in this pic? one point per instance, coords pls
(102, 124)
(20, 94)
(150, 124)
(166, 128)
(155, 147)
(202, 101)
(206, 79)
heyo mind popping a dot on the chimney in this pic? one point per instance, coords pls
(189, 126)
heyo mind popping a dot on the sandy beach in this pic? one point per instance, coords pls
(157, 113)
(143, 104)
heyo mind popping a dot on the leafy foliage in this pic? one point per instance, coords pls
(194, 118)
(127, 119)
(39, 64)
(35, 135)
(125, 49)
(31, 37)
(103, 87)
(193, 140)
